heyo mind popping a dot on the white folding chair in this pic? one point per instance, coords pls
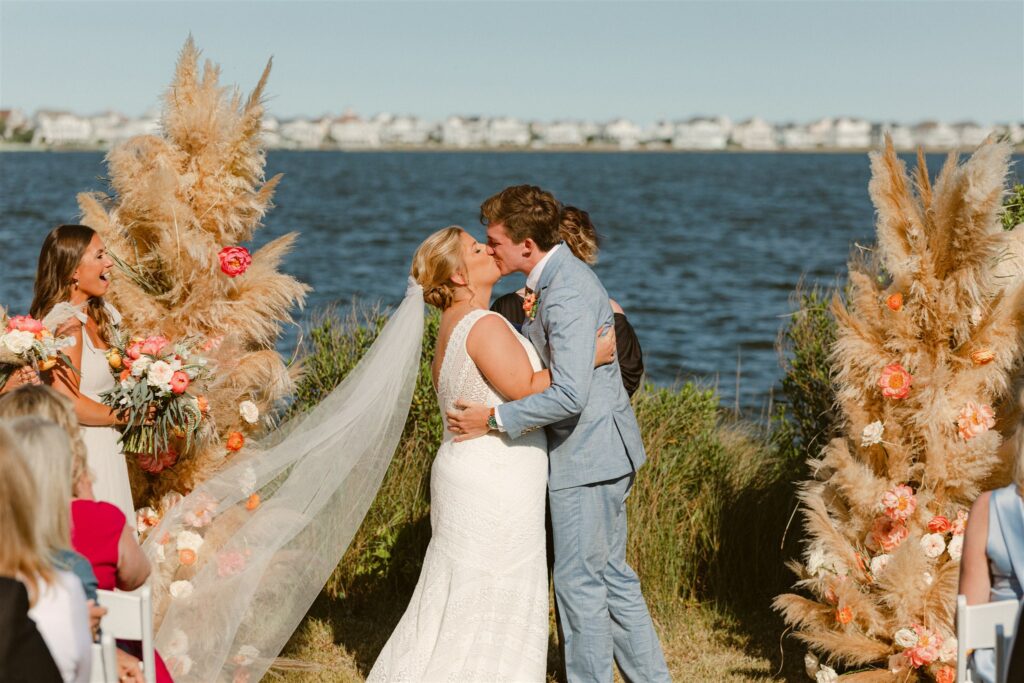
(104, 660)
(130, 617)
(988, 625)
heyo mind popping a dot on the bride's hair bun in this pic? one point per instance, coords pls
(435, 261)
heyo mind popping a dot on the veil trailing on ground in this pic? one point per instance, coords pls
(239, 561)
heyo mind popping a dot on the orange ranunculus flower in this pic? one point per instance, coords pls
(235, 441)
(889, 533)
(945, 675)
(253, 502)
(844, 615)
(895, 381)
(975, 419)
(187, 556)
(983, 356)
(895, 301)
(939, 524)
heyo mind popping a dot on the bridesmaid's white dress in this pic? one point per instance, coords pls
(106, 461)
(480, 609)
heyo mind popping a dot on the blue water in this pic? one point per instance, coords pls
(702, 250)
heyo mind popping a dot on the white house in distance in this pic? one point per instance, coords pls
(463, 131)
(659, 133)
(304, 133)
(848, 133)
(623, 133)
(351, 132)
(61, 128)
(902, 136)
(702, 132)
(755, 133)
(507, 131)
(13, 120)
(796, 136)
(560, 134)
(935, 135)
(971, 134)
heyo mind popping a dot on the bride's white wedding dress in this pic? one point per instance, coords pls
(480, 608)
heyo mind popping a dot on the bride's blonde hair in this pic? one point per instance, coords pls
(436, 260)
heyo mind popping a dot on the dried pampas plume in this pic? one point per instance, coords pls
(928, 340)
(176, 200)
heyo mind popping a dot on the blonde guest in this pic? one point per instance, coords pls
(993, 541)
(57, 601)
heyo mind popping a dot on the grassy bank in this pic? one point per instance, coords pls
(707, 518)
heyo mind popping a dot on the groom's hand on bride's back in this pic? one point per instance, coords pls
(468, 420)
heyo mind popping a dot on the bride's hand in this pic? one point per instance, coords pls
(605, 350)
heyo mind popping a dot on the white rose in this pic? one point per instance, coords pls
(905, 638)
(177, 645)
(956, 547)
(180, 589)
(879, 563)
(872, 434)
(175, 365)
(933, 545)
(250, 413)
(826, 674)
(140, 366)
(180, 665)
(811, 664)
(189, 540)
(248, 481)
(947, 651)
(18, 341)
(159, 375)
(247, 654)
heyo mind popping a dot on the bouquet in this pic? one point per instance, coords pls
(26, 341)
(154, 378)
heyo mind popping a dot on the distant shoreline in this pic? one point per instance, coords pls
(589, 149)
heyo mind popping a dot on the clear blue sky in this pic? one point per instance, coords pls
(904, 61)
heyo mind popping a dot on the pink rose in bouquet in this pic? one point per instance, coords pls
(179, 382)
(25, 323)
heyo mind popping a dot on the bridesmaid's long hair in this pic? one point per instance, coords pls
(62, 251)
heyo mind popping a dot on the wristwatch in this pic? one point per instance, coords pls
(492, 420)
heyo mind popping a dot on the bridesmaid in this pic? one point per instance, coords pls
(74, 267)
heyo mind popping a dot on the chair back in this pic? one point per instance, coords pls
(130, 617)
(988, 625)
(104, 660)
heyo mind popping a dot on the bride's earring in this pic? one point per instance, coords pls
(74, 282)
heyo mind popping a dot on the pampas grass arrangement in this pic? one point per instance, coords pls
(180, 204)
(928, 339)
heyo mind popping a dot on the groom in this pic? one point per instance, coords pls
(593, 439)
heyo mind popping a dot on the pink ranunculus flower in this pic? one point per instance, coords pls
(25, 323)
(152, 346)
(230, 563)
(927, 649)
(234, 260)
(889, 533)
(975, 419)
(895, 381)
(899, 502)
(134, 351)
(179, 382)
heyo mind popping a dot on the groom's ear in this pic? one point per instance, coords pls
(529, 247)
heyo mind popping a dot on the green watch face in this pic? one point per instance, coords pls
(492, 422)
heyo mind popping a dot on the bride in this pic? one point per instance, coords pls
(480, 608)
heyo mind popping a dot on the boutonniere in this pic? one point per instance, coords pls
(530, 302)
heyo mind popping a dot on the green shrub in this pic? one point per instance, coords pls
(1013, 207)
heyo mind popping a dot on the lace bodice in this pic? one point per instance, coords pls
(460, 378)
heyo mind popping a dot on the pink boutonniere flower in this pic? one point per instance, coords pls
(530, 302)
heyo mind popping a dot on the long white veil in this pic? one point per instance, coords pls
(239, 561)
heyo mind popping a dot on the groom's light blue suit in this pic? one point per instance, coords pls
(595, 450)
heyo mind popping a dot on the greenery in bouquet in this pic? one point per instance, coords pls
(154, 378)
(26, 341)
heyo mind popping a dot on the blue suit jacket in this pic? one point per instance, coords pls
(592, 432)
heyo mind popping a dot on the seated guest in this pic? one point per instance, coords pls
(23, 654)
(579, 235)
(995, 534)
(56, 598)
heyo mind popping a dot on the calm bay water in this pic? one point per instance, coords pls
(702, 250)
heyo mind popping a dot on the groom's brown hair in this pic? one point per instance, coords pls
(525, 211)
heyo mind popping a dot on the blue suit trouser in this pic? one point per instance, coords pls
(603, 614)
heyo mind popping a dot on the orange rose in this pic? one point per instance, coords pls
(844, 615)
(234, 260)
(187, 557)
(125, 374)
(895, 301)
(895, 381)
(253, 502)
(47, 364)
(888, 533)
(939, 525)
(945, 675)
(235, 441)
(983, 356)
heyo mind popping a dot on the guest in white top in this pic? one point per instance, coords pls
(56, 597)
